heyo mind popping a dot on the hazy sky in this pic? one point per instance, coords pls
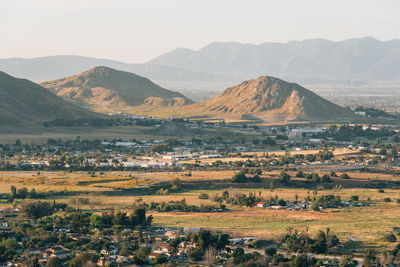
(135, 31)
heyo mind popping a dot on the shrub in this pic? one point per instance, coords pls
(387, 199)
(381, 191)
(239, 178)
(36, 210)
(345, 176)
(270, 251)
(390, 237)
(255, 179)
(163, 191)
(326, 178)
(196, 255)
(315, 177)
(348, 261)
(354, 198)
(255, 244)
(203, 196)
(284, 177)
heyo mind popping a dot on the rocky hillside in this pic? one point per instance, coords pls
(107, 89)
(270, 99)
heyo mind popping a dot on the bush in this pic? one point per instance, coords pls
(255, 179)
(239, 178)
(54, 262)
(354, 198)
(390, 237)
(163, 192)
(387, 199)
(326, 178)
(160, 259)
(255, 244)
(196, 255)
(36, 210)
(348, 261)
(300, 174)
(203, 196)
(345, 176)
(284, 177)
(83, 259)
(270, 251)
(315, 178)
(381, 191)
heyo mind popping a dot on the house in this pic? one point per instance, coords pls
(262, 204)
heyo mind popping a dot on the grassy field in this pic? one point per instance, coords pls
(170, 130)
(361, 226)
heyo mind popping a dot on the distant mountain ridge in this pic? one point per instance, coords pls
(55, 67)
(25, 102)
(105, 88)
(361, 59)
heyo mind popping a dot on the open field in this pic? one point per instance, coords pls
(39, 134)
(365, 224)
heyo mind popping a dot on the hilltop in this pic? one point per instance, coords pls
(269, 99)
(25, 102)
(107, 89)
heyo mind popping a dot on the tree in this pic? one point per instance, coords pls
(22, 192)
(239, 178)
(370, 259)
(36, 210)
(320, 246)
(326, 178)
(160, 259)
(196, 255)
(54, 262)
(345, 176)
(83, 259)
(174, 245)
(347, 261)
(210, 256)
(284, 177)
(300, 261)
(33, 261)
(270, 251)
(13, 194)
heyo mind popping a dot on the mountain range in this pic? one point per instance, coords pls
(359, 61)
(107, 89)
(55, 67)
(311, 61)
(25, 102)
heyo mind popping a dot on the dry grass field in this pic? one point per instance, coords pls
(111, 190)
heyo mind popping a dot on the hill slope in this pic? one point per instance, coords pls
(310, 61)
(22, 101)
(270, 99)
(107, 89)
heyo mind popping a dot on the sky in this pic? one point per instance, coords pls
(136, 31)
